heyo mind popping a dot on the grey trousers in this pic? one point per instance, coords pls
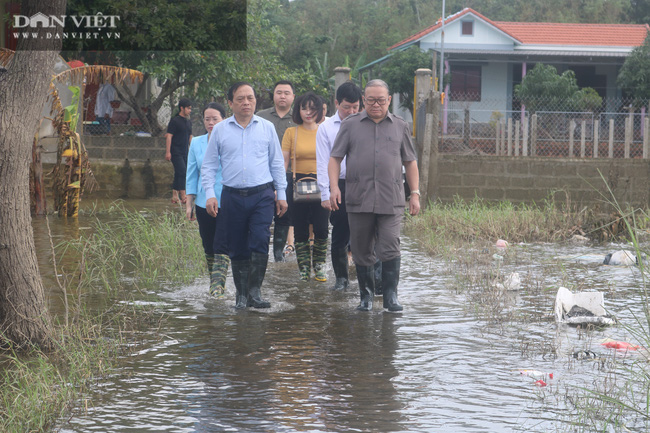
(374, 233)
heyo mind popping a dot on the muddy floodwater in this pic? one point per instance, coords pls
(313, 363)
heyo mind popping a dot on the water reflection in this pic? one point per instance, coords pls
(312, 363)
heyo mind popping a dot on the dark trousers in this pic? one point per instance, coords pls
(374, 236)
(105, 123)
(285, 220)
(180, 169)
(310, 213)
(248, 221)
(212, 231)
(340, 224)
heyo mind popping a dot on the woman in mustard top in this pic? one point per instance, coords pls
(307, 114)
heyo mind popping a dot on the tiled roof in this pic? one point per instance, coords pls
(437, 25)
(595, 35)
(607, 35)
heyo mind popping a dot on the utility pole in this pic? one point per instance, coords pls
(442, 50)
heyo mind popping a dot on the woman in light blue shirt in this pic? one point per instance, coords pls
(210, 228)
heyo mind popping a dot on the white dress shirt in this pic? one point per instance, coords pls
(325, 137)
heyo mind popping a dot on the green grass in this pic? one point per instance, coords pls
(145, 247)
(444, 227)
(620, 401)
(133, 250)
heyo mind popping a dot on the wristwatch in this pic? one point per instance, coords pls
(416, 191)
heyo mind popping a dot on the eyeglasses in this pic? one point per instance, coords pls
(378, 101)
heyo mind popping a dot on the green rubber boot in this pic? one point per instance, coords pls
(303, 255)
(209, 258)
(218, 275)
(320, 257)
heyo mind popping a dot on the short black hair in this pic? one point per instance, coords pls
(326, 103)
(237, 85)
(184, 102)
(216, 106)
(348, 91)
(287, 82)
(304, 101)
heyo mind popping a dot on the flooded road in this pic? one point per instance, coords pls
(313, 363)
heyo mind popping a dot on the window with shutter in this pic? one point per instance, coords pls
(465, 83)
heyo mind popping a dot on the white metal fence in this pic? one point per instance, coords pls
(496, 128)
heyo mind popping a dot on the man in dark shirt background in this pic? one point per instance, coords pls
(177, 143)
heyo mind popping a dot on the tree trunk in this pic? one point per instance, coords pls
(24, 319)
(36, 183)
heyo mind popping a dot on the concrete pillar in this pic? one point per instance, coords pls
(497, 146)
(341, 75)
(509, 136)
(583, 138)
(516, 141)
(422, 85)
(533, 135)
(611, 138)
(628, 137)
(524, 134)
(572, 132)
(596, 137)
(422, 91)
(646, 140)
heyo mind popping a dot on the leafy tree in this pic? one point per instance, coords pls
(638, 11)
(204, 75)
(399, 73)
(345, 28)
(634, 76)
(543, 89)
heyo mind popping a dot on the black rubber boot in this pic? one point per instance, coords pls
(279, 240)
(378, 280)
(258, 271)
(340, 266)
(390, 280)
(366, 277)
(240, 272)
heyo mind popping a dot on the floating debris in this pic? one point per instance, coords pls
(511, 282)
(621, 258)
(578, 239)
(582, 355)
(581, 308)
(536, 374)
(619, 345)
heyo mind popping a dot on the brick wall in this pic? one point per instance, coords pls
(121, 147)
(533, 179)
(493, 178)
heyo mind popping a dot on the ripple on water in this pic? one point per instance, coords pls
(312, 363)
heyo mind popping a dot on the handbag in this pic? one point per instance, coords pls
(305, 189)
